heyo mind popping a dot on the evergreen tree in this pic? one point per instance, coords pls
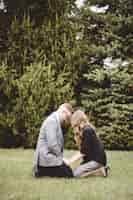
(54, 52)
(103, 91)
(39, 10)
(40, 92)
(46, 62)
(112, 29)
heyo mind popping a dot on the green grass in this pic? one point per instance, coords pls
(17, 183)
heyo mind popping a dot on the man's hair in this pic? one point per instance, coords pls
(68, 106)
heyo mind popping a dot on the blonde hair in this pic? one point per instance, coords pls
(78, 117)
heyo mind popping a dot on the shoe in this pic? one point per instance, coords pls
(106, 170)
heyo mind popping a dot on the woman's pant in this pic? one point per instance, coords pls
(87, 167)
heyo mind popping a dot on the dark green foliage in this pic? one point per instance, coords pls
(69, 140)
(8, 94)
(106, 94)
(112, 29)
(44, 65)
(53, 53)
(40, 91)
(25, 102)
(21, 44)
(39, 10)
(108, 98)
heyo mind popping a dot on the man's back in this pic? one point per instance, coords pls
(49, 151)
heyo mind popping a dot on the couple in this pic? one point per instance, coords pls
(49, 159)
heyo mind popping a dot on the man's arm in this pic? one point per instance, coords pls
(51, 132)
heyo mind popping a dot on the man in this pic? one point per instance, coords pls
(50, 144)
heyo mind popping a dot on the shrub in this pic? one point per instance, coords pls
(108, 100)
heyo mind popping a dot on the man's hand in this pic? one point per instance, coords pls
(66, 161)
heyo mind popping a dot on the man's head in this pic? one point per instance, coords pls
(65, 112)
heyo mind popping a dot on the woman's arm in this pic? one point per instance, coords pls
(73, 159)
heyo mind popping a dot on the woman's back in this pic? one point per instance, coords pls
(92, 147)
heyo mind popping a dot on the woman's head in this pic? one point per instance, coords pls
(78, 120)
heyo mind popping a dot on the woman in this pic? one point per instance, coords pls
(90, 146)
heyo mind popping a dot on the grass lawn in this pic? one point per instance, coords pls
(17, 183)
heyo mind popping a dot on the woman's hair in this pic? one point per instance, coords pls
(78, 117)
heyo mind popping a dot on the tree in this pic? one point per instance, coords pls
(108, 34)
(66, 47)
(46, 62)
(39, 10)
(113, 28)
(14, 21)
